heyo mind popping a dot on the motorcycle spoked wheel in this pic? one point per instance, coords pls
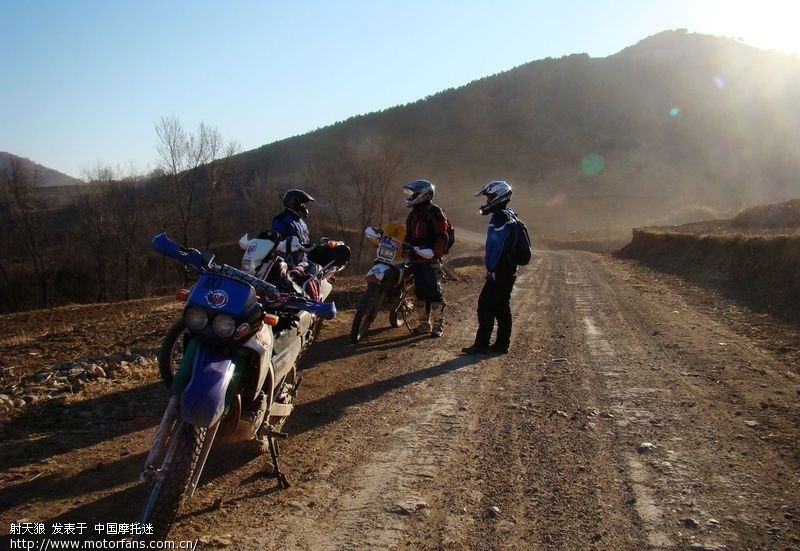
(168, 492)
(405, 308)
(170, 353)
(366, 311)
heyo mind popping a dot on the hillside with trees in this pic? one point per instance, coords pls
(677, 128)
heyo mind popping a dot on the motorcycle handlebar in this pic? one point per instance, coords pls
(258, 284)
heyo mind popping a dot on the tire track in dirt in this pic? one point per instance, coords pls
(671, 384)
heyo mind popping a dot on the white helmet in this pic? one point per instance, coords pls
(497, 193)
(418, 192)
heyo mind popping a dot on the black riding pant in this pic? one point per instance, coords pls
(494, 303)
(426, 284)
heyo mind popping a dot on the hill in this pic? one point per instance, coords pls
(678, 122)
(45, 177)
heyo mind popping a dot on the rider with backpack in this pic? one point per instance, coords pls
(507, 246)
(427, 227)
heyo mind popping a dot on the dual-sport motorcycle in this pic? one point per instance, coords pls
(236, 380)
(262, 259)
(390, 284)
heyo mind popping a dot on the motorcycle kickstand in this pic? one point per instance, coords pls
(296, 388)
(272, 436)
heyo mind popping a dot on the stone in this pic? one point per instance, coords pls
(645, 447)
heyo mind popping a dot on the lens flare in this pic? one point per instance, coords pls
(720, 81)
(592, 164)
(674, 112)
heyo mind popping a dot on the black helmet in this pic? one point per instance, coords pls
(418, 191)
(295, 200)
(497, 193)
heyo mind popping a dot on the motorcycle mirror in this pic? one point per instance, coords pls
(374, 233)
(243, 241)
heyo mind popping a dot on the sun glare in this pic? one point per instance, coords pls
(768, 24)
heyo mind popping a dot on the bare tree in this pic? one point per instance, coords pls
(262, 198)
(221, 171)
(182, 160)
(29, 220)
(96, 226)
(373, 167)
(324, 181)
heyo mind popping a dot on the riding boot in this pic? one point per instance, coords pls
(437, 309)
(424, 314)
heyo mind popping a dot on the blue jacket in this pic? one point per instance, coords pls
(289, 224)
(499, 237)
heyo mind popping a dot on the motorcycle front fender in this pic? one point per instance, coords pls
(207, 394)
(377, 272)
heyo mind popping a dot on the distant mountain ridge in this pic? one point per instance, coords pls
(46, 177)
(677, 121)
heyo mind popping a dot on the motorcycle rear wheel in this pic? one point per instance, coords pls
(366, 312)
(171, 351)
(168, 491)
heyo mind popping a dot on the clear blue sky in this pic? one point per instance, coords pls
(83, 82)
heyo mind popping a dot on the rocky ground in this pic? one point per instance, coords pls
(635, 411)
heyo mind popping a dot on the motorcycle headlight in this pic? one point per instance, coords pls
(196, 319)
(223, 325)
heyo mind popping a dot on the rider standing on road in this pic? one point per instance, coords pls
(494, 302)
(291, 222)
(426, 228)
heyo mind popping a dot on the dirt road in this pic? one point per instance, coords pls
(633, 412)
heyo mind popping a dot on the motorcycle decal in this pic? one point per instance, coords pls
(217, 298)
(251, 248)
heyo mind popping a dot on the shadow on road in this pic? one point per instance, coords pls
(81, 424)
(336, 348)
(319, 412)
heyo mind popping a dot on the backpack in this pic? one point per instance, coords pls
(450, 231)
(451, 236)
(521, 242)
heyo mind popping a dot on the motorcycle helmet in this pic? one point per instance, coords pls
(418, 192)
(295, 200)
(497, 193)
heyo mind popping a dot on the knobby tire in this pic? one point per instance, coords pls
(366, 312)
(171, 352)
(167, 493)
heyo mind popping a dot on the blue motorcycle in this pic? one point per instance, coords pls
(236, 379)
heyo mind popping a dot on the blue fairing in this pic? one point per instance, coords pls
(166, 246)
(222, 294)
(203, 399)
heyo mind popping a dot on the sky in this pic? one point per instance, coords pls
(84, 82)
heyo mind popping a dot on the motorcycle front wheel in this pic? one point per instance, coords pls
(366, 312)
(405, 306)
(171, 351)
(173, 479)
